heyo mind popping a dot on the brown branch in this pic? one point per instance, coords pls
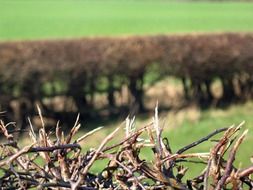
(187, 147)
(56, 147)
(137, 133)
(94, 157)
(230, 161)
(245, 172)
(15, 156)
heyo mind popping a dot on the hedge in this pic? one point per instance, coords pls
(32, 71)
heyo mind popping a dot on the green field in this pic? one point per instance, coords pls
(26, 19)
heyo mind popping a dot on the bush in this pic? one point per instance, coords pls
(77, 69)
(58, 161)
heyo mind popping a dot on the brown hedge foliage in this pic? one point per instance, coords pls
(203, 58)
(33, 70)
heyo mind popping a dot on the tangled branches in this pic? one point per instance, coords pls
(59, 163)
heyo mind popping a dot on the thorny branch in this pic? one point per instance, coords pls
(59, 162)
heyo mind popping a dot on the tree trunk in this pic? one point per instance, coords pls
(136, 89)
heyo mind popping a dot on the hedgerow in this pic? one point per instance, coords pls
(77, 69)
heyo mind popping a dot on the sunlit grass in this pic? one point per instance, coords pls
(25, 19)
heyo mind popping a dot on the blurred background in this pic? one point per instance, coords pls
(113, 58)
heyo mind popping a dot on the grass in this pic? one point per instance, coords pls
(25, 19)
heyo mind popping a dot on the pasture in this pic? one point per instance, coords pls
(21, 19)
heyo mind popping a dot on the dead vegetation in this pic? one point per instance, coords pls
(54, 160)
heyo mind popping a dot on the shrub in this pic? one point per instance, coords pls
(60, 162)
(77, 69)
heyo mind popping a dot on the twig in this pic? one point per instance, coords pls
(52, 148)
(245, 172)
(187, 147)
(88, 134)
(230, 161)
(87, 167)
